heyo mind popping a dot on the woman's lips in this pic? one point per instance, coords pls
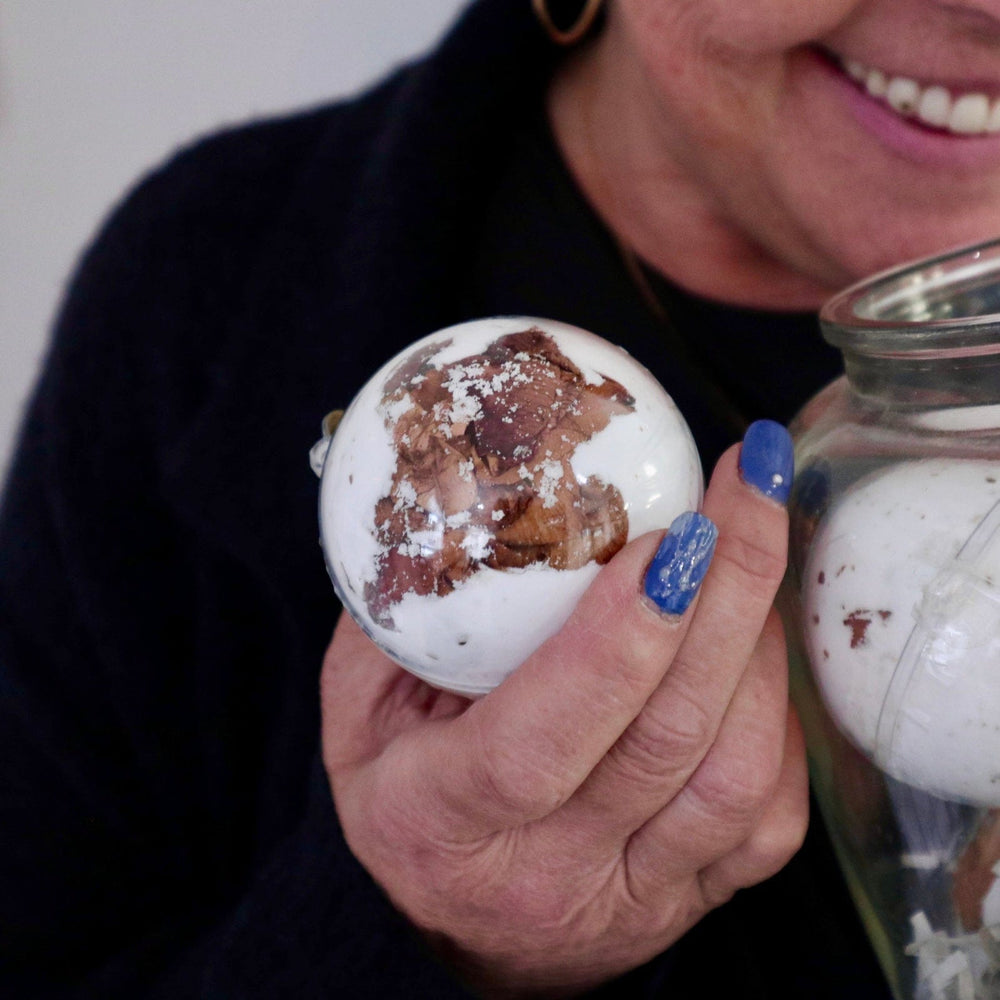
(958, 111)
(929, 123)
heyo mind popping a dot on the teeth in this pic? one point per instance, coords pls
(962, 114)
(856, 70)
(970, 114)
(876, 83)
(903, 94)
(935, 106)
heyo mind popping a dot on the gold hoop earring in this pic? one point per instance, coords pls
(576, 31)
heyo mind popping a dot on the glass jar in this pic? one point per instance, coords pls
(892, 604)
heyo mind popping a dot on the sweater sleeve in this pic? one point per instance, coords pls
(165, 828)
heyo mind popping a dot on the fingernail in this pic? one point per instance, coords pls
(767, 461)
(680, 563)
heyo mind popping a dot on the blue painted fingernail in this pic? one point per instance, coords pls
(767, 460)
(680, 563)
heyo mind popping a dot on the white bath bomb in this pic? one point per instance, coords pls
(903, 623)
(480, 479)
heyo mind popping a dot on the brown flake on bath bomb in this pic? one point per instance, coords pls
(858, 622)
(535, 388)
(484, 475)
(412, 368)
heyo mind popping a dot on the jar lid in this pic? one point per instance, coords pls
(947, 303)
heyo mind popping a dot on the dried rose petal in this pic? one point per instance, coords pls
(484, 471)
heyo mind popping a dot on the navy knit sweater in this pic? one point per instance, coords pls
(165, 826)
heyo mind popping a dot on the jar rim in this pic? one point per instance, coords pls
(948, 303)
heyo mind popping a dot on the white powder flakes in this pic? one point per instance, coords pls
(477, 543)
(406, 495)
(547, 486)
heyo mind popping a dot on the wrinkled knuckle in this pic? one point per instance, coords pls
(641, 902)
(658, 747)
(513, 785)
(687, 732)
(760, 567)
(496, 782)
(735, 793)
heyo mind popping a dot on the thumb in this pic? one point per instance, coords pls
(367, 700)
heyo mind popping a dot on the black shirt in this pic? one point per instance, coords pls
(165, 825)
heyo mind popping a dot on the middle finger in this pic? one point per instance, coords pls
(673, 733)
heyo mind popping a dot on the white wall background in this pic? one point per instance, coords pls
(93, 92)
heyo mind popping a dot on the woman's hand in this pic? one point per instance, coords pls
(631, 775)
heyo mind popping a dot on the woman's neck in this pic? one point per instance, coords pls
(614, 143)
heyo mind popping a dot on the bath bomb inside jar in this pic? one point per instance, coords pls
(480, 479)
(902, 622)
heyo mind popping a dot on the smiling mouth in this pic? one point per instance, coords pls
(961, 113)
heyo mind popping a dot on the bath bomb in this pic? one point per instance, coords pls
(902, 623)
(481, 478)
